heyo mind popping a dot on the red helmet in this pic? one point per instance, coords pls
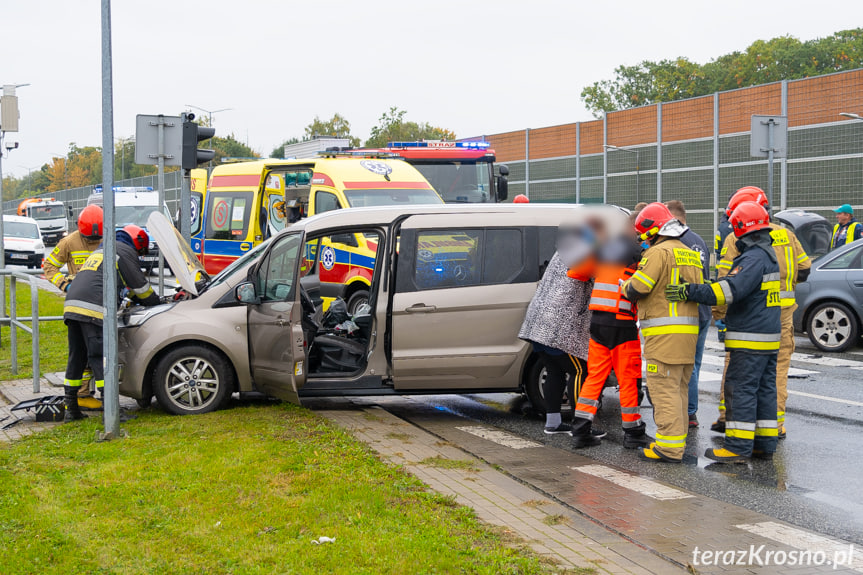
(139, 238)
(747, 194)
(90, 222)
(521, 199)
(651, 219)
(749, 217)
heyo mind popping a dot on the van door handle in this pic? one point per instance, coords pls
(420, 308)
(858, 283)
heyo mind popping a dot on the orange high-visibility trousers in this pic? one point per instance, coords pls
(625, 359)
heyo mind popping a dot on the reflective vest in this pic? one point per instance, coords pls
(607, 294)
(849, 234)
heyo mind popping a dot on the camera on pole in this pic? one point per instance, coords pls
(192, 134)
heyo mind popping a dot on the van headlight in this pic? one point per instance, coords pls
(39, 246)
(136, 316)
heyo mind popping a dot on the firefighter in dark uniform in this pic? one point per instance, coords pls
(751, 291)
(83, 311)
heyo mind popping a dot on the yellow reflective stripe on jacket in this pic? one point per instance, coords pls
(675, 280)
(57, 279)
(644, 278)
(667, 325)
(723, 265)
(754, 341)
(849, 234)
(84, 308)
(54, 261)
(802, 258)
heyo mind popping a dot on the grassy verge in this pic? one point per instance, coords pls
(244, 490)
(52, 337)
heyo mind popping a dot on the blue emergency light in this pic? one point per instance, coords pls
(98, 189)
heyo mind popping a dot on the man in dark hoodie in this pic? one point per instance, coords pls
(83, 311)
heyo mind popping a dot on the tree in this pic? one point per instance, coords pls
(782, 58)
(336, 127)
(392, 127)
(229, 147)
(279, 151)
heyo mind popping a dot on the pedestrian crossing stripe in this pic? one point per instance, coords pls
(499, 437)
(635, 483)
(806, 541)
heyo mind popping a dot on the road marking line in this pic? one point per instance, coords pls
(633, 482)
(825, 398)
(806, 541)
(714, 360)
(499, 437)
(804, 358)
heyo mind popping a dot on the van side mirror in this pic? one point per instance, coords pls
(503, 169)
(246, 293)
(70, 212)
(502, 185)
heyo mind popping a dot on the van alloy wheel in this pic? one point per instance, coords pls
(193, 379)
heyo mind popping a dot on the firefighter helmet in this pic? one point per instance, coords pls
(139, 238)
(521, 199)
(749, 217)
(747, 194)
(652, 219)
(90, 222)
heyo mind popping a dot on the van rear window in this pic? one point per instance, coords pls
(228, 215)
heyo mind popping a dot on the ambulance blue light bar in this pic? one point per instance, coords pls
(439, 144)
(98, 189)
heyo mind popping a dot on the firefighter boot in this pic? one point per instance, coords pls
(583, 435)
(73, 411)
(635, 437)
(724, 456)
(649, 453)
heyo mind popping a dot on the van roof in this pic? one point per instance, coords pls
(336, 172)
(552, 215)
(20, 219)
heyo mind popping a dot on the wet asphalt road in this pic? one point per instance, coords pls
(814, 479)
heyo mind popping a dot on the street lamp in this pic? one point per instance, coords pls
(29, 186)
(210, 118)
(637, 169)
(123, 142)
(852, 116)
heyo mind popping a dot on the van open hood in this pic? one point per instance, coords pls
(177, 252)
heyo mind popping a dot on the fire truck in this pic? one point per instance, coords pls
(461, 172)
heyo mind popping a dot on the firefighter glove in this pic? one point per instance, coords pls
(676, 292)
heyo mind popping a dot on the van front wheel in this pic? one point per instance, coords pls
(193, 379)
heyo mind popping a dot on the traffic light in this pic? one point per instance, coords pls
(192, 134)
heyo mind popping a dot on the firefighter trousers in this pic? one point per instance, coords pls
(85, 347)
(669, 392)
(562, 371)
(610, 348)
(783, 363)
(750, 403)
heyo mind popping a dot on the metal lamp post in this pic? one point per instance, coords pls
(210, 120)
(637, 167)
(29, 170)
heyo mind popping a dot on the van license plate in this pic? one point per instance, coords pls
(18, 256)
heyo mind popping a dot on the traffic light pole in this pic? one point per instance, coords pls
(186, 201)
(161, 178)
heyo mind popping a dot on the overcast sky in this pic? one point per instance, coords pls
(476, 67)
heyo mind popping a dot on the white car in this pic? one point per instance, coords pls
(22, 241)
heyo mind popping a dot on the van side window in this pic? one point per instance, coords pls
(275, 277)
(228, 216)
(325, 202)
(448, 258)
(503, 256)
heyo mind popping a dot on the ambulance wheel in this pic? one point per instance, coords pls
(831, 326)
(357, 299)
(193, 378)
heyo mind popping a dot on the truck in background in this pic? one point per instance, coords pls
(51, 216)
(133, 205)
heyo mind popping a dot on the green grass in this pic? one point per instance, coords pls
(243, 490)
(444, 463)
(52, 337)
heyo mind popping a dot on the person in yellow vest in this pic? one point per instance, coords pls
(794, 266)
(670, 330)
(847, 228)
(72, 251)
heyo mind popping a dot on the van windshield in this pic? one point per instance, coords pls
(391, 197)
(20, 230)
(125, 215)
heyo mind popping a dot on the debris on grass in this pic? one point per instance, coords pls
(444, 463)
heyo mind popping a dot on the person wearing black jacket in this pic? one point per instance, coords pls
(752, 293)
(83, 311)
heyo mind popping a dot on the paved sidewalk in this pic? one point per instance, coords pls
(13, 392)
(552, 530)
